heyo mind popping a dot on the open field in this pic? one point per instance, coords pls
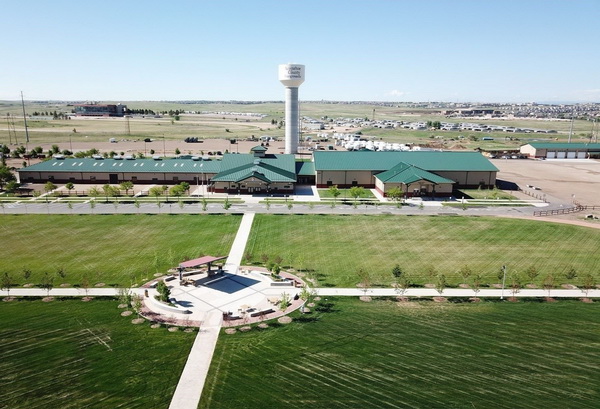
(47, 132)
(334, 248)
(72, 354)
(115, 249)
(386, 354)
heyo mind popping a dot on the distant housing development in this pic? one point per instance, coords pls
(417, 173)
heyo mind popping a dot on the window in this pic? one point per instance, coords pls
(354, 183)
(92, 177)
(175, 178)
(329, 183)
(134, 178)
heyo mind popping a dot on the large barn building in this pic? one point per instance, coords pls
(419, 173)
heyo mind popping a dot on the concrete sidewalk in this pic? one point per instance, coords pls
(456, 292)
(191, 383)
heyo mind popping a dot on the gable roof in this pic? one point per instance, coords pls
(407, 174)
(566, 146)
(90, 165)
(270, 169)
(432, 161)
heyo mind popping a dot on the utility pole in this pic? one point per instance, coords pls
(503, 281)
(25, 120)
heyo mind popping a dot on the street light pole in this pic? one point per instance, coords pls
(503, 281)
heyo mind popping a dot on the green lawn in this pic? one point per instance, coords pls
(345, 194)
(72, 354)
(334, 248)
(113, 249)
(385, 354)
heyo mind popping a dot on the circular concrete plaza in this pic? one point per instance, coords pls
(250, 295)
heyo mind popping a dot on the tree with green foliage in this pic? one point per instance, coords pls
(465, 272)
(6, 283)
(441, 283)
(70, 186)
(532, 272)
(226, 204)
(477, 280)
(177, 191)
(26, 274)
(588, 282)
(548, 283)
(284, 301)
(515, 284)
(164, 292)
(47, 283)
(185, 186)
(571, 274)
(335, 192)
(126, 185)
(49, 187)
(108, 191)
(12, 186)
(396, 194)
(357, 192)
(403, 284)
(397, 271)
(364, 279)
(155, 192)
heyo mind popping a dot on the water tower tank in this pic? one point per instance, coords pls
(291, 75)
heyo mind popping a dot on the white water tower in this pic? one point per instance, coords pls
(291, 76)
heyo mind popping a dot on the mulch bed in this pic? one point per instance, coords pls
(154, 326)
(188, 330)
(99, 285)
(87, 299)
(173, 329)
(463, 285)
(138, 321)
(263, 325)
(550, 299)
(28, 285)
(122, 306)
(246, 328)
(440, 299)
(512, 299)
(306, 311)
(317, 298)
(230, 331)
(586, 300)
(402, 299)
(126, 313)
(365, 298)
(63, 285)
(475, 299)
(8, 299)
(48, 299)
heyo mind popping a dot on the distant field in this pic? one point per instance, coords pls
(72, 354)
(216, 126)
(334, 248)
(384, 354)
(113, 249)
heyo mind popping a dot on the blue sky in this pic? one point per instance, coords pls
(426, 50)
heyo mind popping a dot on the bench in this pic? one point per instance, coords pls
(261, 312)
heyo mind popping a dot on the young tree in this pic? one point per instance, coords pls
(403, 284)
(477, 279)
(49, 187)
(548, 283)
(5, 175)
(356, 192)
(515, 284)
(70, 186)
(465, 272)
(12, 186)
(177, 191)
(397, 271)
(164, 292)
(47, 283)
(155, 192)
(441, 283)
(532, 272)
(335, 192)
(571, 274)
(6, 283)
(85, 283)
(26, 273)
(108, 191)
(588, 282)
(126, 185)
(364, 279)
(396, 194)
(136, 304)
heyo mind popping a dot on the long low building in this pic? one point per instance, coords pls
(416, 173)
(439, 171)
(554, 150)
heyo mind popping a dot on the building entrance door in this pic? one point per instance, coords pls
(113, 178)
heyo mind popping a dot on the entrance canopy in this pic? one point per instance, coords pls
(200, 261)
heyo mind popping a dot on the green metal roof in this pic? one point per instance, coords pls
(380, 161)
(566, 146)
(271, 168)
(258, 149)
(125, 166)
(407, 174)
(305, 168)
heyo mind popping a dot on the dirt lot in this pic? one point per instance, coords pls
(560, 180)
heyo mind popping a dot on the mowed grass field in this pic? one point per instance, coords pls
(113, 249)
(334, 248)
(73, 354)
(385, 354)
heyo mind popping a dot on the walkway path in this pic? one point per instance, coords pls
(190, 385)
(234, 260)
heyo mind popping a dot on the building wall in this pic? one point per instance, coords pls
(253, 187)
(470, 179)
(104, 177)
(425, 188)
(345, 178)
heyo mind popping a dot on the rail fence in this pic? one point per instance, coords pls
(577, 208)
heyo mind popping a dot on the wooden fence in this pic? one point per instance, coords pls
(577, 208)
